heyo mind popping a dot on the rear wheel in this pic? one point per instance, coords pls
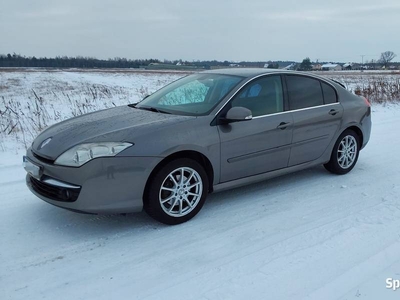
(177, 192)
(345, 153)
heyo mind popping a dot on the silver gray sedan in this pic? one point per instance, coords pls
(204, 133)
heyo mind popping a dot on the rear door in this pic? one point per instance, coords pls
(316, 115)
(263, 143)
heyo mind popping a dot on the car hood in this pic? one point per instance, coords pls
(117, 124)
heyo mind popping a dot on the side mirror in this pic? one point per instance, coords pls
(238, 114)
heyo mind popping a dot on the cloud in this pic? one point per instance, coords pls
(306, 15)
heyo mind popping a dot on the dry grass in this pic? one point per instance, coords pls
(24, 121)
(32, 101)
(377, 88)
(380, 90)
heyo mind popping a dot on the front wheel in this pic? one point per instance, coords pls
(177, 192)
(345, 153)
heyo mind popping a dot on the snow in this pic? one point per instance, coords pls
(307, 235)
(329, 66)
(31, 98)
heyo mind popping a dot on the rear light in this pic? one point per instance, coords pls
(367, 102)
(368, 105)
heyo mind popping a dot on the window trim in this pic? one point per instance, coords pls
(296, 110)
(286, 109)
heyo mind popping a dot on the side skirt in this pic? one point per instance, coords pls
(264, 176)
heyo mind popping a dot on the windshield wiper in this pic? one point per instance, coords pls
(150, 108)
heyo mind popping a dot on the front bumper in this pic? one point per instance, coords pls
(103, 185)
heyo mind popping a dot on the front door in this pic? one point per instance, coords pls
(262, 144)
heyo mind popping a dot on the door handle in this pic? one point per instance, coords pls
(333, 112)
(283, 125)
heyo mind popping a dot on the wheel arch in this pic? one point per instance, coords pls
(196, 156)
(358, 131)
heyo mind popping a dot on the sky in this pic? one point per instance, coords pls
(252, 30)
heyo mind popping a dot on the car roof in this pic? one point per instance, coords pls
(244, 72)
(253, 72)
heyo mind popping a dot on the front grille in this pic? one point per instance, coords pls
(54, 192)
(42, 159)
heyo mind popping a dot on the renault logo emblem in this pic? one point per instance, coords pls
(44, 143)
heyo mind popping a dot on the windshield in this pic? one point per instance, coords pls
(195, 94)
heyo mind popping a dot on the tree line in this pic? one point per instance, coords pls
(384, 61)
(17, 60)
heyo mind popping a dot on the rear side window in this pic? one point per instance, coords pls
(329, 93)
(304, 92)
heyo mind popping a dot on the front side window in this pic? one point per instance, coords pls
(262, 96)
(195, 94)
(303, 92)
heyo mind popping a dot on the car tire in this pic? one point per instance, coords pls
(345, 153)
(172, 198)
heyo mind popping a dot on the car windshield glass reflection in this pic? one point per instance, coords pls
(194, 95)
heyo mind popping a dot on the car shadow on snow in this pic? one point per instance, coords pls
(271, 186)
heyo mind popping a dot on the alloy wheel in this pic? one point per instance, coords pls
(347, 152)
(181, 191)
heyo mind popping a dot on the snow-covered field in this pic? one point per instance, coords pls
(31, 100)
(308, 235)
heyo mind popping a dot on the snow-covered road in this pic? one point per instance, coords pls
(309, 235)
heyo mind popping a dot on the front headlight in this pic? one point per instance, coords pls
(81, 154)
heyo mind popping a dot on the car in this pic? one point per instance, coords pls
(207, 132)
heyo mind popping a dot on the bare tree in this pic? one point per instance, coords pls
(387, 57)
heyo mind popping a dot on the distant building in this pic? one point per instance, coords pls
(316, 67)
(348, 66)
(290, 67)
(162, 66)
(331, 67)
